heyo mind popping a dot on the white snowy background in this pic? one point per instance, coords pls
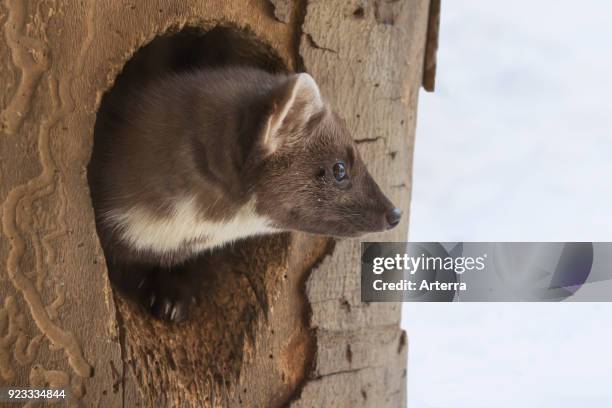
(515, 145)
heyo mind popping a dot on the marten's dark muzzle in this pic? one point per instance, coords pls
(393, 217)
(384, 214)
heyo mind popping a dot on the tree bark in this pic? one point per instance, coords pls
(282, 324)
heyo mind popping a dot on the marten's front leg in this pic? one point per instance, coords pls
(166, 292)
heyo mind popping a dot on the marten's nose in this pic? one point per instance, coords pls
(393, 217)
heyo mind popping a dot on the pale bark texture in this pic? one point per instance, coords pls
(282, 323)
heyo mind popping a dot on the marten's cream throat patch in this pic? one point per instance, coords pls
(142, 229)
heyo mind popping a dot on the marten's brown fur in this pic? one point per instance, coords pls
(199, 159)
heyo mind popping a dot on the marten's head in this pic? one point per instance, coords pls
(311, 177)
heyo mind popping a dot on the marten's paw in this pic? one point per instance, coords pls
(167, 293)
(170, 307)
(168, 296)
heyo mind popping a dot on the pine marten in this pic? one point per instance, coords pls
(199, 159)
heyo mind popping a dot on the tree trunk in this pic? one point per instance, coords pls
(282, 323)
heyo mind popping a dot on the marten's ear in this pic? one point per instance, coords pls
(292, 105)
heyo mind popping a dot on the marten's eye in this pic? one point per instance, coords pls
(339, 171)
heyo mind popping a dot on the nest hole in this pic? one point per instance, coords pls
(206, 351)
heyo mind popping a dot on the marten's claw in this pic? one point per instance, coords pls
(169, 309)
